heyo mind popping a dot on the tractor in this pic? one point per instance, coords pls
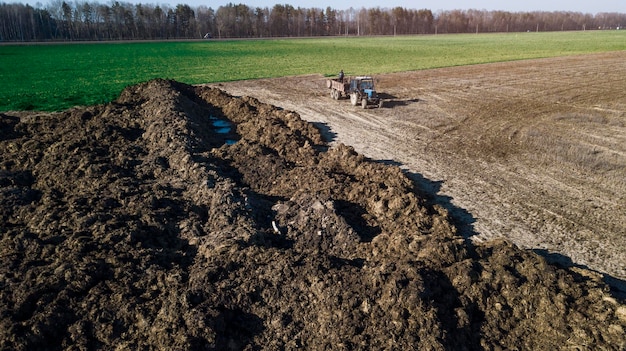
(360, 89)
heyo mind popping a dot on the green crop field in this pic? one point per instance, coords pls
(58, 76)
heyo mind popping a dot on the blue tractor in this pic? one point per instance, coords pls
(362, 92)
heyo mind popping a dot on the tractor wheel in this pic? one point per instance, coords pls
(380, 103)
(364, 103)
(332, 93)
(354, 99)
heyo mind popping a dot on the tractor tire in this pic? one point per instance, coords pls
(364, 103)
(381, 104)
(332, 93)
(354, 99)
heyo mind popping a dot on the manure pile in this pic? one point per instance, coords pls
(140, 225)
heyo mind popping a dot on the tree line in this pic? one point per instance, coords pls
(83, 20)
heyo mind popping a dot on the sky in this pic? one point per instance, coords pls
(585, 6)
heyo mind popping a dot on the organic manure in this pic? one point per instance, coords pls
(136, 225)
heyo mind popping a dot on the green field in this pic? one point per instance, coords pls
(53, 77)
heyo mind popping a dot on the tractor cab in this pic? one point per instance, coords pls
(364, 85)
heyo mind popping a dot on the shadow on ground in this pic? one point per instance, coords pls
(391, 101)
(430, 190)
(464, 222)
(618, 286)
(327, 134)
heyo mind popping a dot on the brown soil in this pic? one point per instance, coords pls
(532, 151)
(140, 225)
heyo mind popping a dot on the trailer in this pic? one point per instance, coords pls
(338, 88)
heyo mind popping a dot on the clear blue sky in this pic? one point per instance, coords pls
(585, 6)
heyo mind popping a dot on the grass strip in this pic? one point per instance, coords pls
(54, 77)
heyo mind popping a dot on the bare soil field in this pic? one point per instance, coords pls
(531, 151)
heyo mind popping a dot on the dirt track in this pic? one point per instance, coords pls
(533, 151)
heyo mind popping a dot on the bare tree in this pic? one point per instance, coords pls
(84, 20)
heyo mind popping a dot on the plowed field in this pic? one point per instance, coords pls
(533, 151)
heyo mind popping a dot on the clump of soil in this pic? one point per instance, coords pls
(141, 225)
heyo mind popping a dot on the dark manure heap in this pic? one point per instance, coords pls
(140, 225)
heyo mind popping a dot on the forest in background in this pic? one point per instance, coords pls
(94, 21)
